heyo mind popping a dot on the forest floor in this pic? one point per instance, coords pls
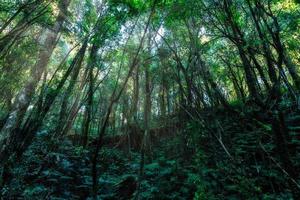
(247, 171)
(66, 174)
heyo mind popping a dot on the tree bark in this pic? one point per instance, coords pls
(89, 106)
(23, 99)
(19, 139)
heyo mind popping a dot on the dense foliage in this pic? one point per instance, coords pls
(156, 99)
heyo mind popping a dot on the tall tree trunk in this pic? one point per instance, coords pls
(23, 99)
(115, 98)
(239, 41)
(18, 140)
(145, 143)
(89, 107)
(136, 94)
(260, 70)
(236, 83)
(215, 88)
(265, 47)
(64, 109)
(279, 46)
(163, 96)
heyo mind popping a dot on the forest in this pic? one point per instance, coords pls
(150, 99)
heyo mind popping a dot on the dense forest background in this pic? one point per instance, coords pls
(149, 99)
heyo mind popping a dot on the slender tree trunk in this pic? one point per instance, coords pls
(260, 71)
(162, 97)
(292, 70)
(237, 85)
(239, 41)
(250, 76)
(266, 49)
(136, 94)
(18, 140)
(279, 46)
(23, 99)
(89, 107)
(64, 109)
(115, 98)
(88, 110)
(145, 143)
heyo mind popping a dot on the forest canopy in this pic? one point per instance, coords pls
(150, 99)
